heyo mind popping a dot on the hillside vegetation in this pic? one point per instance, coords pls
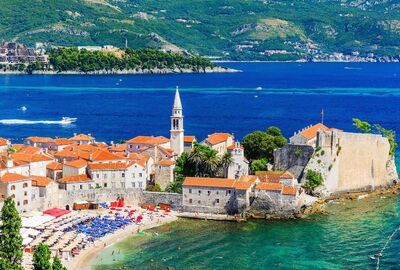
(232, 29)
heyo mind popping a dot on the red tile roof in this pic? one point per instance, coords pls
(40, 139)
(30, 150)
(78, 163)
(13, 177)
(149, 140)
(208, 182)
(217, 138)
(189, 139)
(119, 148)
(62, 141)
(165, 162)
(102, 155)
(55, 166)
(109, 166)
(311, 132)
(82, 137)
(270, 186)
(75, 178)
(274, 176)
(289, 190)
(3, 142)
(31, 158)
(40, 181)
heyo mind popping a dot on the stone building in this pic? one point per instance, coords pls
(74, 167)
(164, 173)
(83, 139)
(217, 195)
(19, 187)
(308, 135)
(188, 143)
(219, 142)
(76, 182)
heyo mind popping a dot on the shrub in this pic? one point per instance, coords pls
(313, 180)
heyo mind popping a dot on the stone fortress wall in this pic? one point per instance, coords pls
(352, 161)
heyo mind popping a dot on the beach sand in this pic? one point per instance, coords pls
(82, 261)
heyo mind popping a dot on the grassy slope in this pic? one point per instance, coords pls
(212, 27)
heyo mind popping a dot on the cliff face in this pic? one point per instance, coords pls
(292, 158)
(352, 162)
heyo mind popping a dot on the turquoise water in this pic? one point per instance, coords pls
(344, 238)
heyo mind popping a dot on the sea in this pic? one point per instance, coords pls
(287, 95)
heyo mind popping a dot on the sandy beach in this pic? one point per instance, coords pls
(82, 261)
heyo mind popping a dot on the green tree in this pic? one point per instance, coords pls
(363, 126)
(41, 257)
(224, 163)
(261, 145)
(175, 186)
(154, 188)
(10, 238)
(313, 180)
(57, 265)
(258, 165)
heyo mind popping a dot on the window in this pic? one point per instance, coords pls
(90, 186)
(190, 190)
(123, 184)
(199, 202)
(133, 184)
(217, 192)
(25, 202)
(140, 184)
(133, 175)
(12, 187)
(80, 186)
(209, 193)
(123, 175)
(25, 193)
(105, 176)
(217, 200)
(73, 187)
(105, 184)
(199, 192)
(25, 185)
(18, 203)
(190, 201)
(140, 174)
(97, 176)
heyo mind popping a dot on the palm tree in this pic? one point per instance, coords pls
(225, 162)
(210, 163)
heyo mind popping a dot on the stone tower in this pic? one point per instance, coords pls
(177, 131)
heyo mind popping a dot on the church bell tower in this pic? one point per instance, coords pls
(177, 132)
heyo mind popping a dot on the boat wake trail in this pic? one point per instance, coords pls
(380, 254)
(63, 121)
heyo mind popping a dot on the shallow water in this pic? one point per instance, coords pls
(342, 239)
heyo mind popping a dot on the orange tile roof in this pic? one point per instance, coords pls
(78, 163)
(75, 178)
(165, 162)
(30, 150)
(13, 177)
(118, 148)
(101, 145)
(101, 155)
(311, 132)
(30, 158)
(3, 142)
(289, 190)
(189, 139)
(40, 181)
(110, 166)
(82, 137)
(168, 152)
(149, 140)
(274, 176)
(62, 141)
(17, 146)
(208, 182)
(270, 186)
(55, 166)
(140, 159)
(35, 139)
(217, 138)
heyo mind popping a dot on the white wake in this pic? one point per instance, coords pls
(30, 122)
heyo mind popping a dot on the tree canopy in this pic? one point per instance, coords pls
(41, 257)
(367, 127)
(313, 180)
(57, 265)
(10, 238)
(261, 145)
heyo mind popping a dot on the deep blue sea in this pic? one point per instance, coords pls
(287, 95)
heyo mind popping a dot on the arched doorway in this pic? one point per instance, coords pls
(67, 207)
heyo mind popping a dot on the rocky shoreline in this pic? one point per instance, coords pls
(125, 72)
